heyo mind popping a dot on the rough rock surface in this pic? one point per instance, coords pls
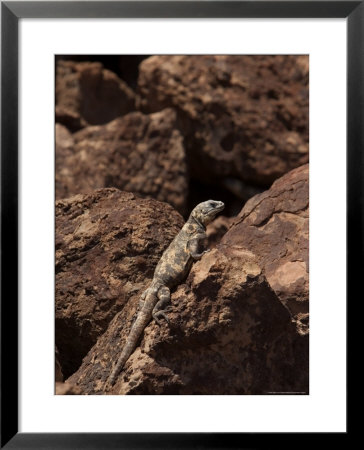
(275, 226)
(125, 67)
(86, 93)
(67, 389)
(242, 116)
(107, 246)
(229, 334)
(69, 118)
(137, 153)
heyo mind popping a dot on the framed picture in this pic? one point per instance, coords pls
(311, 49)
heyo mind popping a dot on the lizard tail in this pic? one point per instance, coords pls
(137, 329)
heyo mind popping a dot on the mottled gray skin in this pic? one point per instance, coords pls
(172, 268)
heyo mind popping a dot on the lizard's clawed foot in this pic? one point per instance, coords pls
(158, 315)
(198, 256)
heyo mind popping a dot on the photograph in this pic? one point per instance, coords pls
(181, 224)
(181, 220)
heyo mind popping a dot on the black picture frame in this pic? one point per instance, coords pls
(11, 12)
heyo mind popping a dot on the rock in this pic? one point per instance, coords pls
(69, 118)
(107, 246)
(67, 389)
(137, 153)
(243, 117)
(216, 229)
(275, 226)
(125, 67)
(86, 93)
(229, 334)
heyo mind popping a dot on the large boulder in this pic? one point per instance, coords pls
(107, 246)
(275, 226)
(229, 334)
(86, 93)
(137, 153)
(243, 117)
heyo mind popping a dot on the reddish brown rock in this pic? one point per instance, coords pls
(137, 153)
(126, 67)
(86, 93)
(67, 389)
(229, 334)
(69, 118)
(275, 226)
(107, 246)
(242, 116)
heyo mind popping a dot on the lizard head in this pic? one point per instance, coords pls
(205, 212)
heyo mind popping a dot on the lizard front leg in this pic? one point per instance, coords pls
(193, 246)
(164, 295)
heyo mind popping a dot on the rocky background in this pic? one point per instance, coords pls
(139, 141)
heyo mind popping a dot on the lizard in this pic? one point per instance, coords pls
(172, 268)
